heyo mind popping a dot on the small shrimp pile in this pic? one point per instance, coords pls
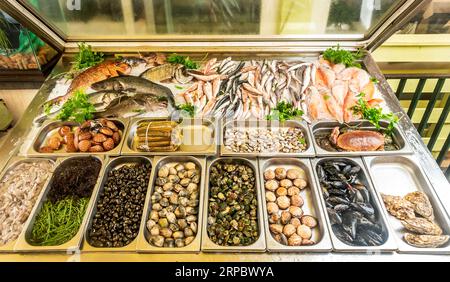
(336, 90)
(19, 190)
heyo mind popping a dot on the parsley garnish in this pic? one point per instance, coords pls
(338, 56)
(189, 108)
(77, 108)
(374, 115)
(86, 58)
(183, 60)
(284, 111)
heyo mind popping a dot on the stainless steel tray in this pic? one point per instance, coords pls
(13, 162)
(398, 176)
(114, 163)
(72, 245)
(310, 207)
(50, 127)
(327, 126)
(309, 152)
(185, 149)
(210, 246)
(339, 246)
(142, 244)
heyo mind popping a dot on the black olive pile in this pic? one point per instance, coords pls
(119, 209)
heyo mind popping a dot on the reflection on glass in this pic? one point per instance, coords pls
(142, 18)
(20, 48)
(433, 19)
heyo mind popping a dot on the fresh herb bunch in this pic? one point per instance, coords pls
(336, 55)
(284, 111)
(374, 115)
(78, 108)
(86, 58)
(189, 108)
(183, 60)
(58, 222)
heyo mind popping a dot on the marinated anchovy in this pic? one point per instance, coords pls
(173, 220)
(349, 204)
(119, 209)
(19, 190)
(232, 207)
(62, 213)
(261, 140)
(288, 224)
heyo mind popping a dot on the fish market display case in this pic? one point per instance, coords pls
(129, 29)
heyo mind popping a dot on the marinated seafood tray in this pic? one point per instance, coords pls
(162, 137)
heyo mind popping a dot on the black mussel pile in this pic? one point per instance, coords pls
(349, 205)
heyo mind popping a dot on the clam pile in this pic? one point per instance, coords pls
(173, 220)
(288, 223)
(349, 204)
(261, 140)
(233, 204)
(91, 136)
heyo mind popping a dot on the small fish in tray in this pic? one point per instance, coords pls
(416, 214)
(157, 136)
(353, 139)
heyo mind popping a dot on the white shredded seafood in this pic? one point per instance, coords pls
(19, 190)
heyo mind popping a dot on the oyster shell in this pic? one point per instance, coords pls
(426, 241)
(422, 226)
(398, 207)
(421, 203)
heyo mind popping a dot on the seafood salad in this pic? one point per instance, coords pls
(349, 138)
(416, 214)
(353, 217)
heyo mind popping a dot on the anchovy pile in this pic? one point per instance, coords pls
(244, 89)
